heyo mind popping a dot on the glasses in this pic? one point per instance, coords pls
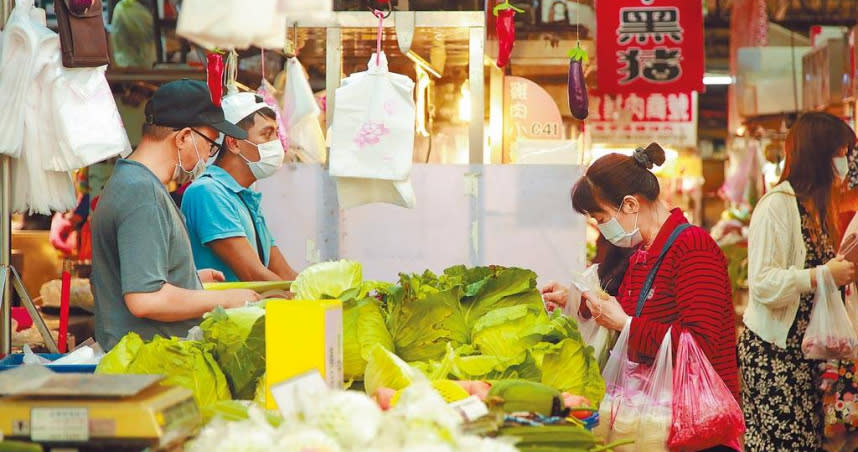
(214, 146)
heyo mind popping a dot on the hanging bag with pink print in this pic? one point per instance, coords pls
(372, 136)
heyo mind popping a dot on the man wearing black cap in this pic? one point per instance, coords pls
(143, 274)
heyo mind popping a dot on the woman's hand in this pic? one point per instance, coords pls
(842, 270)
(555, 296)
(607, 311)
(208, 275)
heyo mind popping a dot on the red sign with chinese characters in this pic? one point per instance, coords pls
(635, 119)
(649, 46)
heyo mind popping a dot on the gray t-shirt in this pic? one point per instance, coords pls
(139, 243)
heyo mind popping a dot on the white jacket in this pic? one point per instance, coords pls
(776, 273)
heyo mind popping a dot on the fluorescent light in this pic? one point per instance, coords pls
(717, 80)
(465, 102)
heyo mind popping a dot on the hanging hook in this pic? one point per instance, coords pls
(389, 8)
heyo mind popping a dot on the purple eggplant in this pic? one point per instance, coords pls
(577, 89)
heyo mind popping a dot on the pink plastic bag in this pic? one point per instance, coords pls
(705, 413)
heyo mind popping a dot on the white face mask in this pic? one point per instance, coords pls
(271, 155)
(841, 168)
(181, 175)
(613, 232)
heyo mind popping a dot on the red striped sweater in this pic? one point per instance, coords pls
(691, 291)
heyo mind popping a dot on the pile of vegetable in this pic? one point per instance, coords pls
(473, 325)
(342, 421)
(185, 363)
(484, 323)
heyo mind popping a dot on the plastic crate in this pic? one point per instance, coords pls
(14, 360)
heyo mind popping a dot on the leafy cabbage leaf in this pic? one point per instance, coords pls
(336, 279)
(386, 370)
(238, 337)
(185, 363)
(363, 327)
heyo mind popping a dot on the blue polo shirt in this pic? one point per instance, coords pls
(217, 207)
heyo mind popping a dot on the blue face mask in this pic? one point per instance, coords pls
(613, 232)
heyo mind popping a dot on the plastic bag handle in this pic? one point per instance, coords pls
(380, 16)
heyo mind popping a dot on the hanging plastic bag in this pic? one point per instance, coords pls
(85, 93)
(372, 137)
(234, 24)
(21, 39)
(705, 413)
(830, 334)
(625, 396)
(656, 416)
(600, 338)
(133, 35)
(302, 115)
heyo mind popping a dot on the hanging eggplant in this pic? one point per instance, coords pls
(577, 89)
(505, 27)
(214, 76)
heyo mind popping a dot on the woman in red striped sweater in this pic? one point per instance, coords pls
(691, 289)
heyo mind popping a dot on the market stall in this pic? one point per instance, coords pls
(425, 196)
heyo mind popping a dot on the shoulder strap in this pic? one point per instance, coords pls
(650, 278)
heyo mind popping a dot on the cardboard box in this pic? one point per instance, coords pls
(301, 336)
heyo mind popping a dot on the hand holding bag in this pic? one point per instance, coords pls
(83, 38)
(830, 333)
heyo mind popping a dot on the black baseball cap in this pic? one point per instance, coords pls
(187, 103)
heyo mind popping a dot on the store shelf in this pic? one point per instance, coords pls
(153, 75)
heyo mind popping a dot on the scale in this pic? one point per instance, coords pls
(86, 412)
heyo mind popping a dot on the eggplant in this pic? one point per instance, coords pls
(579, 103)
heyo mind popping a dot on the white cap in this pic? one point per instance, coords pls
(237, 106)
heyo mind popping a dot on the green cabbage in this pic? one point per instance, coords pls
(386, 370)
(570, 367)
(340, 279)
(238, 337)
(188, 364)
(363, 327)
(120, 357)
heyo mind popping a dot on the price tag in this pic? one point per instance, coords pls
(295, 394)
(471, 408)
(59, 424)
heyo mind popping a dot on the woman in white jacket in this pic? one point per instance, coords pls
(793, 231)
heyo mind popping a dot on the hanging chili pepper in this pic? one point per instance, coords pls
(577, 89)
(505, 27)
(214, 76)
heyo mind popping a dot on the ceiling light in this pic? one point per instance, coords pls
(717, 80)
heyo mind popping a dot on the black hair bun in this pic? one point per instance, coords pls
(652, 155)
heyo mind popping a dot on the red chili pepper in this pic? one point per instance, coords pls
(505, 28)
(214, 76)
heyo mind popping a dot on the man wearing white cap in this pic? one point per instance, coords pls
(225, 222)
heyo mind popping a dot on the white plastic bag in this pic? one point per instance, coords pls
(373, 130)
(20, 41)
(593, 334)
(372, 137)
(234, 24)
(830, 333)
(302, 115)
(88, 125)
(625, 396)
(656, 416)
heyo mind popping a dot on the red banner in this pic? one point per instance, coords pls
(649, 46)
